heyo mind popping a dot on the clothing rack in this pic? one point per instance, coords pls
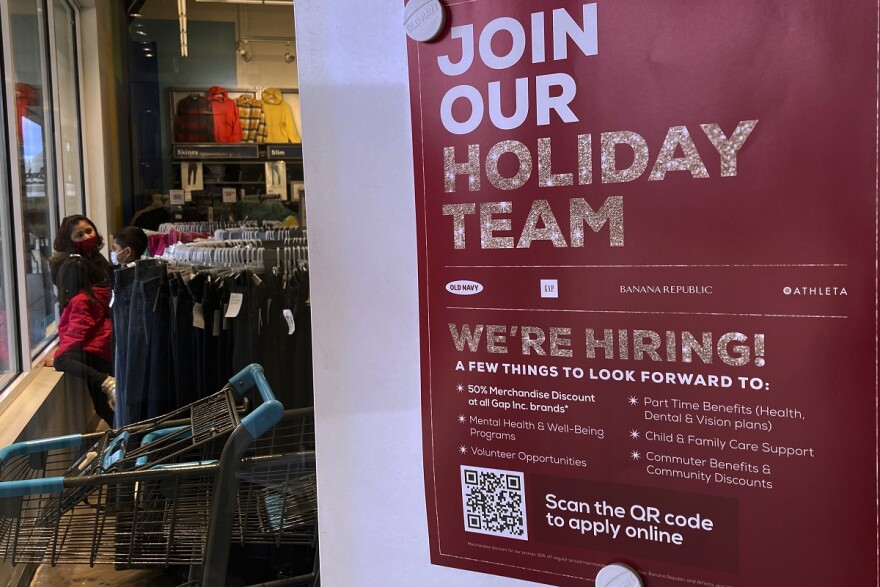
(280, 257)
(212, 226)
(184, 320)
(271, 234)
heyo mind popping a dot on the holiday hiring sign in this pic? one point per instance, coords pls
(647, 287)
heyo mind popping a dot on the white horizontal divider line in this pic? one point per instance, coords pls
(639, 266)
(565, 310)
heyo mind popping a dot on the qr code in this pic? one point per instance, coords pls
(494, 502)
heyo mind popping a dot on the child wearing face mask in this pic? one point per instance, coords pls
(85, 332)
(129, 244)
(79, 235)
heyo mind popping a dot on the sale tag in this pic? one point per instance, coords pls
(198, 317)
(234, 305)
(288, 315)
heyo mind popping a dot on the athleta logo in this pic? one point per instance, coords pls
(464, 287)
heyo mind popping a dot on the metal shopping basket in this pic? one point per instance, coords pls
(160, 492)
(277, 491)
(275, 502)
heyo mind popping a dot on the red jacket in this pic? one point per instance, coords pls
(25, 97)
(85, 325)
(227, 126)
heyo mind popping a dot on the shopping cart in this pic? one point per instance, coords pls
(173, 490)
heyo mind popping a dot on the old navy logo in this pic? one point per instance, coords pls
(464, 287)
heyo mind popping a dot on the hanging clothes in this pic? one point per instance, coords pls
(187, 322)
(198, 226)
(210, 368)
(157, 243)
(122, 281)
(244, 298)
(141, 319)
(280, 126)
(194, 122)
(299, 303)
(183, 352)
(252, 118)
(227, 127)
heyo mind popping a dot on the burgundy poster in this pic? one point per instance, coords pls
(648, 289)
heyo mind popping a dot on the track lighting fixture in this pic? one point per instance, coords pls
(244, 51)
(290, 56)
(245, 44)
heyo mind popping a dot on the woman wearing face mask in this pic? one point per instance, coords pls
(77, 234)
(129, 245)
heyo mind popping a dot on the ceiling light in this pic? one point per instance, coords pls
(181, 15)
(244, 52)
(138, 32)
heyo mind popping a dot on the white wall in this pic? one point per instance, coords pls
(358, 172)
(100, 132)
(268, 68)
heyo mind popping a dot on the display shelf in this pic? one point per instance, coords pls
(260, 173)
(218, 152)
(224, 182)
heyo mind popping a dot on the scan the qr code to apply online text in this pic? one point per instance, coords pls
(494, 502)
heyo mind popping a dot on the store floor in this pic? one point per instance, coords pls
(248, 565)
(107, 576)
(99, 576)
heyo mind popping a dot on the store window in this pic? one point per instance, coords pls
(44, 167)
(34, 158)
(8, 349)
(69, 145)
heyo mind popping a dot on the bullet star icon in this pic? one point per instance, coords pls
(633, 400)
(462, 449)
(459, 388)
(636, 455)
(461, 419)
(634, 434)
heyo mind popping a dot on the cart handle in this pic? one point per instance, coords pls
(115, 450)
(28, 447)
(151, 437)
(270, 412)
(31, 487)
